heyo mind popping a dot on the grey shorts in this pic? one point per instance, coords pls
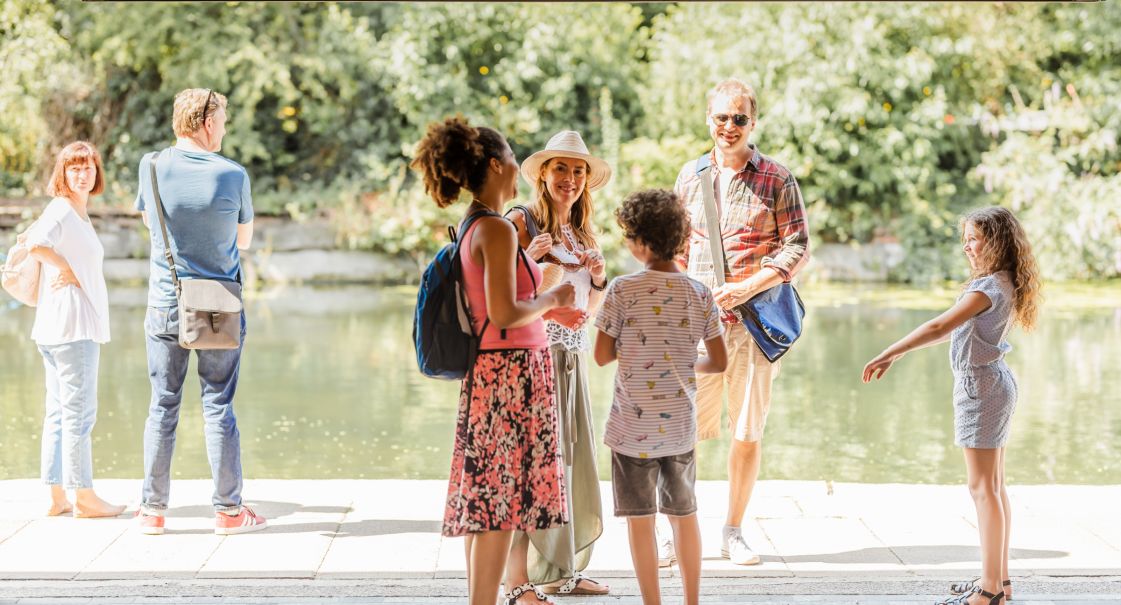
(644, 486)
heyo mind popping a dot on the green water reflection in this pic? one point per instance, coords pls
(329, 389)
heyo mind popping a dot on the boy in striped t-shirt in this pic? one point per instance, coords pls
(652, 322)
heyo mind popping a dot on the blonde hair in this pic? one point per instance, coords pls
(735, 88)
(187, 119)
(79, 152)
(545, 215)
(1007, 249)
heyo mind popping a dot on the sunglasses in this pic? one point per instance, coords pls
(570, 267)
(206, 106)
(740, 119)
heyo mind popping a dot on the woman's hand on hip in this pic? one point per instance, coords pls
(65, 278)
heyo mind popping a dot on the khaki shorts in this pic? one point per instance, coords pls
(748, 379)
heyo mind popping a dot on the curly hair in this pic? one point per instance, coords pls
(657, 219)
(546, 217)
(1007, 249)
(453, 156)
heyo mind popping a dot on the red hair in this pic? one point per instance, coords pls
(79, 152)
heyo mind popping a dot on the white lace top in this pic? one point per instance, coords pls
(571, 340)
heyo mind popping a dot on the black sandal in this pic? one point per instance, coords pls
(967, 586)
(963, 599)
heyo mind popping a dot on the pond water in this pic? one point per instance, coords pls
(329, 389)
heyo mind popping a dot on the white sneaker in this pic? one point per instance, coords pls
(666, 553)
(734, 547)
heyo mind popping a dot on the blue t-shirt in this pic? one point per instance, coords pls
(206, 196)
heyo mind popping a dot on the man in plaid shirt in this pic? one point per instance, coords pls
(766, 241)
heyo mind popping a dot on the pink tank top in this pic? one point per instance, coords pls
(530, 336)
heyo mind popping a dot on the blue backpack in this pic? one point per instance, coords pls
(446, 344)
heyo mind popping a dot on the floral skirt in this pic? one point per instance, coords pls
(507, 470)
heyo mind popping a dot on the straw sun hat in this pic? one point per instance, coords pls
(567, 144)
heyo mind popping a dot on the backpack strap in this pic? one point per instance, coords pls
(464, 226)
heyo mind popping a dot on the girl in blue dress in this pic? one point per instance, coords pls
(1003, 290)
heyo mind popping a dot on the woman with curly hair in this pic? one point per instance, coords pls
(506, 475)
(1004, 289)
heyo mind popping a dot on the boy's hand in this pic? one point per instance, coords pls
(878, 367)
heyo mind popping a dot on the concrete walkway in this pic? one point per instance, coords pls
(380, 541)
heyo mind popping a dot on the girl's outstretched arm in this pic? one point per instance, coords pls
(932, 332)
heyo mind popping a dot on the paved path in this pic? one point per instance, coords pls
(379, 542)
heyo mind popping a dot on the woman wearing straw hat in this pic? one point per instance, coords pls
(556, 229)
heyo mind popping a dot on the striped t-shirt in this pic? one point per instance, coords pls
(657, 320)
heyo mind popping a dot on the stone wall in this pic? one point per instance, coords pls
(286, 251)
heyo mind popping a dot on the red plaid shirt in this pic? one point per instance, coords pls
(762, 221)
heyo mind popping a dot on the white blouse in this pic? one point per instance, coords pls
(71, 313)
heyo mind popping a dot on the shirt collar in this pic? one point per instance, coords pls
(752, 161)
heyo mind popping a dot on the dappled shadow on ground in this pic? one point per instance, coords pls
(274, 511)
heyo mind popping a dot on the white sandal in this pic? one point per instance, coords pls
(571, 587)
(513, 596)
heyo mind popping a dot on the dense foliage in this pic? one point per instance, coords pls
(894, 117)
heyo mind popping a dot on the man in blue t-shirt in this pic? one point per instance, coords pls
(209, 218)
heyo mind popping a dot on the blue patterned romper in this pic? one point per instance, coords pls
(984, 387)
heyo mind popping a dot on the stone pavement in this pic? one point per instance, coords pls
(379, 542)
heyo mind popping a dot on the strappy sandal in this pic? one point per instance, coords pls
(572, 587)
(963, 599)
(967, 586)
(513, 596)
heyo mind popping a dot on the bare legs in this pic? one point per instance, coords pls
(517, 572)
(644, 553)
(59, 504)
(744, 458)
(1005, 573)
(687, 542)
(86, 504)
(985, 471)
(486, 560)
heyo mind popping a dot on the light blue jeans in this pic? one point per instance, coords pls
(167, 369)
(71, 412)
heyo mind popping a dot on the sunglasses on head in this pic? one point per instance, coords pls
(206, 106)
(739, 119)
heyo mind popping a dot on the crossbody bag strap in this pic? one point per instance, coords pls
(152, 157)
(715, 239)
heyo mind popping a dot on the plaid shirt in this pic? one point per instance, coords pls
(762, 221)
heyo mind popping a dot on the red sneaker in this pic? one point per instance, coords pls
(244, 522)
(151, 525)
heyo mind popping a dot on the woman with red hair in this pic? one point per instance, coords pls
(71, 323)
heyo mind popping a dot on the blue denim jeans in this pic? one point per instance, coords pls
(70, 413)
(167, 369)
